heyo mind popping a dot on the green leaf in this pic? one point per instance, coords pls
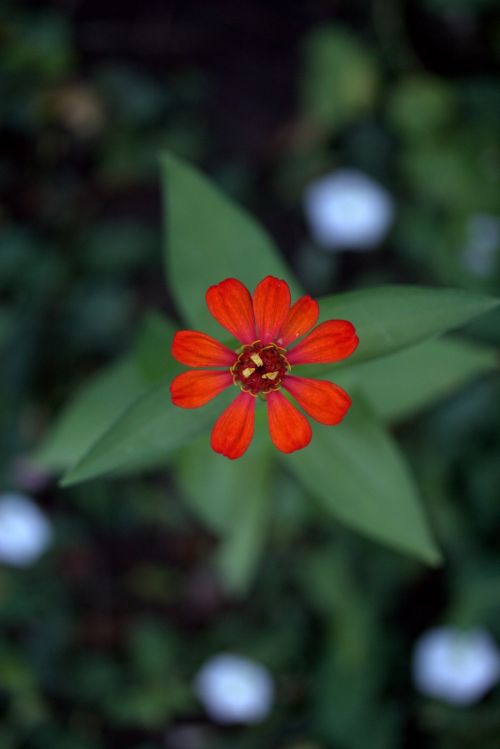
(234, 499)
(153, 347)
(208, 238)
(400, 385)
(99, 402)
(389, 318)
(241, 550)
(94, 407)
(357, 472)
(144, 436)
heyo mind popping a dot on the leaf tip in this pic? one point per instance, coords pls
(66, 481)
(433, 557)
(73, 476)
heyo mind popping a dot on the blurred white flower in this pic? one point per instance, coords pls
(482, 245)
(25, 532)
(348, 210)
(456, 666)
(234, 689)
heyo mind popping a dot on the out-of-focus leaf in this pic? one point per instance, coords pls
(452, 174)
(429, 240)
(147, 705)
(420, 106)
(208, 238)
(350, 673)
(150, 649)
(339, 79)
(41, 47)
(234, 499)
(389, 318)
(144, 435)
(399, 385)
(358, 474)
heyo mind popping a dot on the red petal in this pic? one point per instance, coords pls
(329, 342)
(324, 401)
(200, 350)
(194, 389)
(301, 318)
(289, 429)
(233, 430)
(271, 302)
(231, 305)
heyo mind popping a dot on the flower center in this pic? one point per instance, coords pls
(260, 369)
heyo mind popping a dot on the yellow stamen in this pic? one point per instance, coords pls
(270, 376)
(248, 371)
(256, 360)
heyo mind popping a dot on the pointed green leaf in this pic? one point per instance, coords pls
(357, 472)
(399, 385)
(389, 318)
(100, 401)
(87, 416)
(208, 238)
(144, 436)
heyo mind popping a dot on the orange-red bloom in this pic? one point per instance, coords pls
(267, 327)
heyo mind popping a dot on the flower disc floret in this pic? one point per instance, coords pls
(260, 369)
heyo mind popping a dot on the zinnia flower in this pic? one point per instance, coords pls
(267, 327)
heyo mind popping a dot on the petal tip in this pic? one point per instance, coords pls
(227, 455)
(289, 429)
(295, 449)
(233, 430)
(230, 304)
(271, 304)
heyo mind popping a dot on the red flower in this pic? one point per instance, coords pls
(267, 327)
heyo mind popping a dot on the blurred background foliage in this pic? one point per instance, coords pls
(101, 638)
